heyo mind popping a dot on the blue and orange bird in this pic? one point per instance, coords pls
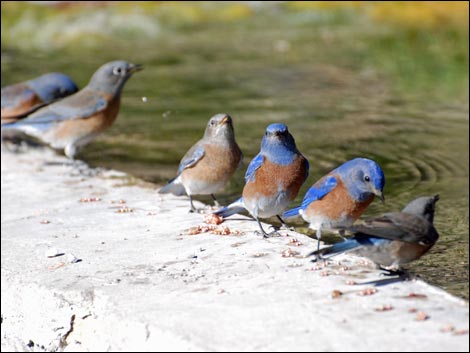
(209, 164)
(273, 178)
(77, 119)
(21, 99)
(341, 196)
(393, 239)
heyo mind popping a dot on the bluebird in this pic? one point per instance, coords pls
(394, 238)
(209, 164)
(341, 196)
(23, 98)
(77, 119)
(273, 178)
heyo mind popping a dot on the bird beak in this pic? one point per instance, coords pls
(380, 195)
(226, 119)
(134, 68)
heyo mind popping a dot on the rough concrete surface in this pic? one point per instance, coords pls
(144, 284)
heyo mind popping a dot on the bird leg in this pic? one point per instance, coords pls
(263, 232)
(216, 203)
(284, 225)
(192, 209)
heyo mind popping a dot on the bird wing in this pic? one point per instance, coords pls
(319, 190)
(82, 105)
(398, 226)
(255, 164)
(191, 157)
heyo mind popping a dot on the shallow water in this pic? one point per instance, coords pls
(343, 90)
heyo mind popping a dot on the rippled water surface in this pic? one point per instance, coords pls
(344, 91)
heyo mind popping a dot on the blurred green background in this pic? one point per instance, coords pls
(383, 80)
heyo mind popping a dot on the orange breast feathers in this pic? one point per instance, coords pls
(218, 164)
(272, 178)
(29, 101)
(338, 204)
(92, 125)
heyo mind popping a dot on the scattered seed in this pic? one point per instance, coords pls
(260, 254)
(417, 296)
(56, 266)
(336, 294)
(44, 221)
(345, 268)
(384, 308)
(220, 291)
(289, 253)
(213, 219)
(351, 282)
(89, 199)
(448, 328)
(222, 231)
(461, 332)
(211, 229)
(295, 242)
(124, 210)
(412, 310)
(367, 291)
(120, 201)
(421, 316)
(325, 274)
(294, 265)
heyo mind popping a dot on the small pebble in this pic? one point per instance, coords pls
(367, 291)
(448, 328)
(336, 294)
(144, 99)
(384, 308)
(421, 316)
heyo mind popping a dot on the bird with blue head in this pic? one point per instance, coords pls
(341, 196)
(77, 119)
(273, 178)
(22, 99)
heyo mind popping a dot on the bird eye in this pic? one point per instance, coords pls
(367, 178)
(117, 71)
(212, 123)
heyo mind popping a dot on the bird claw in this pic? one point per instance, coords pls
(267, 235)
(394, 273)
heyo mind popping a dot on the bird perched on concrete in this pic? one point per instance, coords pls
(393, 239)
(273, 178)
(21, 99)
(209, 164)
(341, 196)
(77, 119)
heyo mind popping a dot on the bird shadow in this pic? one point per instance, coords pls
(393, 277)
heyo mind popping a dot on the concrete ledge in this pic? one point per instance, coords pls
(144, 284)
